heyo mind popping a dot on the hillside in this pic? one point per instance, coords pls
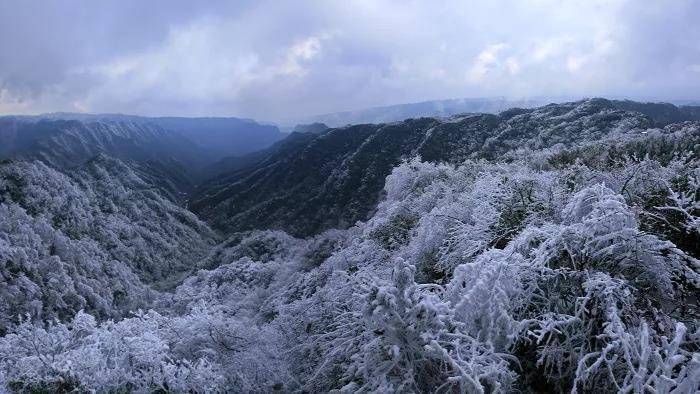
(220, 136)
(92, 238)
(64, 143)
(336, 178)
(664, 113)
(552, 249)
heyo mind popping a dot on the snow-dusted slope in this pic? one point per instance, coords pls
(218, 136)
(91, 238)
(663, 113)
(336, 178)
(63, 143)
(545, 250)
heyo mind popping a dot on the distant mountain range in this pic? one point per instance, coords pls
(239, 174)
(220, 136)
(311, 182)
(436, 108)
(65, 143)
(469, 252)
(178, 151)
(444, 108)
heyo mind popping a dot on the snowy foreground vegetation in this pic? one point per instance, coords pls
(570, 268)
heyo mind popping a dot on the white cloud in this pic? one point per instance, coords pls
(512, 65)
(279, 60)
(549, 48)
(574, 63)
(486, 61)
(302, 51)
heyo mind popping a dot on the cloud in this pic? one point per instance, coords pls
(284, 60)
(486, 61)
(299, 53)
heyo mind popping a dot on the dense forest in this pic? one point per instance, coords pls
(538, 250)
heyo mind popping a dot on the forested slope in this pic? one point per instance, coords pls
(92, 238)
(544, 250)
(336, 178)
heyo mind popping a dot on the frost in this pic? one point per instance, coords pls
(559, 267)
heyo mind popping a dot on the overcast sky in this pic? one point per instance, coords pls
(277, 60)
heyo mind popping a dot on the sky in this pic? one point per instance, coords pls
(282, 60)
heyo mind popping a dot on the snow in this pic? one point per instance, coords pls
(540, 272)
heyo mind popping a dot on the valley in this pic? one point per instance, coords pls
(545, 248)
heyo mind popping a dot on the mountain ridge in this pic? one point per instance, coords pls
(334, 179)
(220, 136)
(451, 107)
(566, 233)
